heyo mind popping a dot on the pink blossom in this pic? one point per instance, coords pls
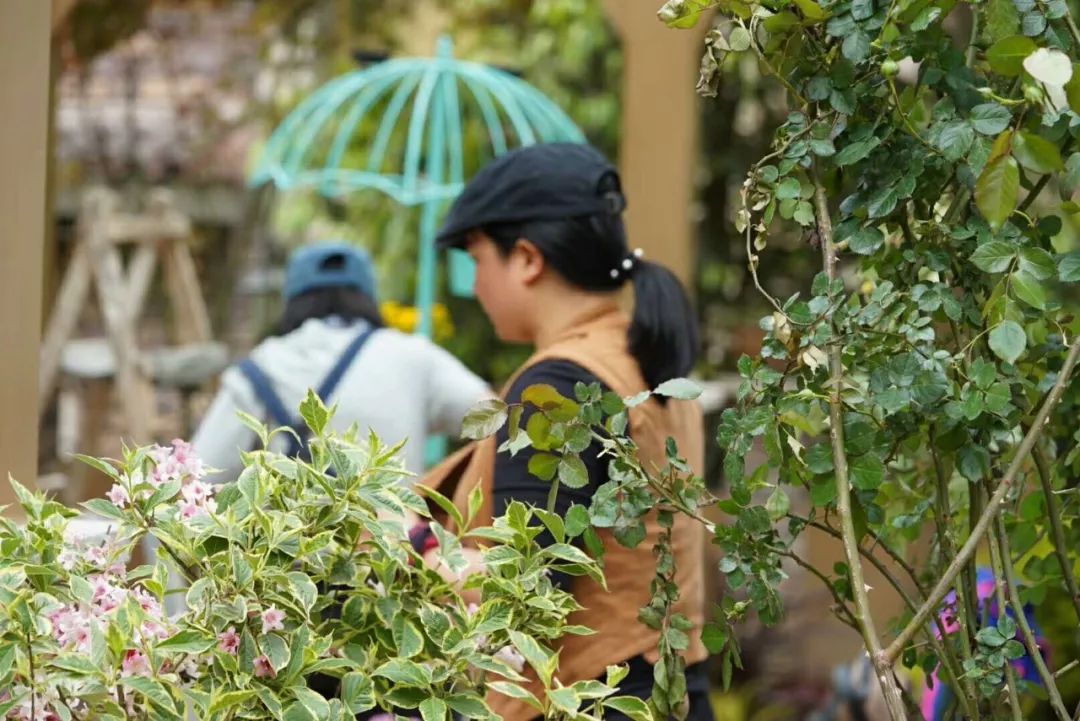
(135, 664)
(68, 558)
(118, 495)
(197, 491)
(152, 631)
(36, 702)
(263, 668)
(147, 602)
(189, 510)
(72, 627)
(96, 556)
(229, 641)
(272, 619)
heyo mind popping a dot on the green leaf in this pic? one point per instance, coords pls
(276, 650)
(544, 465)
(314, 413)
(357, 692)
(75, 664)
(548, 399)
(804, 214)
(866, 241)
(822, 147)
(778, 504)
(631, 707)
(187, 642)
(854, 152)
(811, 10)
(512, 690)
(433, 709)
(1038, 263)
(1006, 56)
(151, 689)
(577, 520)
(468, 705)
(167, 492)
(403, 671)
(882, 202)
(993, 257)
(484, 420)
(564, 699)
(568, 553)
(104, 508)
(7, 660)
(973, 462)
(739, 39)
(1072, 90)
(100, 464)
(990, 118)
(997, 189)
(229, 700)
(955, 139)
(926, 18)
(298, 712)
(856, 47)
(312, 701)
(1069, 267)
(1033, 24)
(534, 653)
(1037, 153)
(867, 472)
(1027, 288)
(407, 637)
(1008, 341)
(990, 637)
(819, 458)
(572, 472)
(680, 388)
(303, 588)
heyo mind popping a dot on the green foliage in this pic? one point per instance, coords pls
(938, 358)
(297, 570)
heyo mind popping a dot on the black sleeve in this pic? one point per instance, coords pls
(512, 480)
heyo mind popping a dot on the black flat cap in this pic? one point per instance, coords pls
(547, 181)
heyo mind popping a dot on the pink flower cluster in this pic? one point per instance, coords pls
(34, 706)
(176, 462)
(74, 624)
(273, 619)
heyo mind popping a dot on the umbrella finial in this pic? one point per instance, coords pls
(444, 47)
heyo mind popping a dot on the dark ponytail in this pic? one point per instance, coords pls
(591, 252)
(664, 333)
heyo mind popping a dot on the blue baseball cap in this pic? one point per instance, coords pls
(329, 265)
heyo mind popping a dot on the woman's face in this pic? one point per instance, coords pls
(503, 285)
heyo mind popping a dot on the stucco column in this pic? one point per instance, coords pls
(659, 133)
(25, 30)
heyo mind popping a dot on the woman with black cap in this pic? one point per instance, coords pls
(544, 225)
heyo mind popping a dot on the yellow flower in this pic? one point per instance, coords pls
(406, 318)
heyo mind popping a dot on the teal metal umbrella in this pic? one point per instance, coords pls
(420, 124)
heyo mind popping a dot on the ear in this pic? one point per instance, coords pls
(529, 261)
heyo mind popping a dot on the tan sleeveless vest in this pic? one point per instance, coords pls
(599, 345)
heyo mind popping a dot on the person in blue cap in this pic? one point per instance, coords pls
(331, 338)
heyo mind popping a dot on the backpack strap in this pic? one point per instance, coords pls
(333, 378)
(266, 394)
(264, 389)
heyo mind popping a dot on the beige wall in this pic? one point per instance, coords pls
(24, 99)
